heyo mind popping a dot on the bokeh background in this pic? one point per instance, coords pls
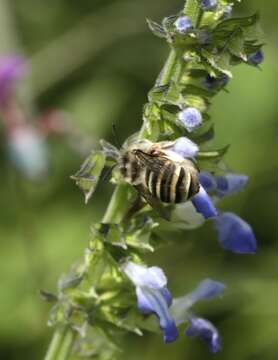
(96, 60)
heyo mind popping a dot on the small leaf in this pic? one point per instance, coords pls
(158, 93)
(236, 46)
(139, 234)
(230, 25)
(109, 150)
(69, 281)
(214, 154)
(88, 176)
(169, 21)
(205, 136)
(156, 29)
(219, 61)
(48, 296)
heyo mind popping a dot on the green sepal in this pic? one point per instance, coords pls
(157, 29)
(88, 176)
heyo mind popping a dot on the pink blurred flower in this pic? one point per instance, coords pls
(12, 69)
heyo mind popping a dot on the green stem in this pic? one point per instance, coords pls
(66, 345)
(61, 344)
(118, 205)
(167, 70)
(55, 344)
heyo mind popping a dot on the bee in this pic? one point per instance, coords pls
(158, 172)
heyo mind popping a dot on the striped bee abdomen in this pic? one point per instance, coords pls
(173, 183)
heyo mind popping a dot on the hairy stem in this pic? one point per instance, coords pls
(63, 340)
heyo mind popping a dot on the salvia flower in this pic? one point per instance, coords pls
(185, 147)
(181, 311)
(206, 290)
(153, 296)
(205, 330)
(230, 183)
(204, 204)
(183, 24)
(28, 151)
(191, 118)
(235, 234)
(209, 5)
(208, 181)
(12, 68)
(257, 58)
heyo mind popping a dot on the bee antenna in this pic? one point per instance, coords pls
(115, 135)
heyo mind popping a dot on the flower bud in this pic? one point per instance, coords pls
(183, 24)
(191, 118)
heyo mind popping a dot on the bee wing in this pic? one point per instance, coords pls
(154, 162)
(153, 202)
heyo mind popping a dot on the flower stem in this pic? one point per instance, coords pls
(55, 344)
(66, 345)
(63, 339)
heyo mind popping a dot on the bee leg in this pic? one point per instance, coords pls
(136, 206)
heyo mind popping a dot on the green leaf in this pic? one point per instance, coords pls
(88, 176)
(236, 46)
(219, 61)
(139, 235)
(228, 26)
(214, 154)
(206, 134)
(48, 296)
(158, 93)
(69, 281)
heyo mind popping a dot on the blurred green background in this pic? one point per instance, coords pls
(96, 60)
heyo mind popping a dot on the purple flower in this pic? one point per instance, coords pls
(12, 68)
(206, 290)
(257, 58)
(209, 5)
(235, 234)
(203, 204)
(185, 147)
(153, 296)
(180, 309)
(230, 183)
(207, 180)
(214, 83)
(183, 24)
(28, 151)
(191, 118)
(206, 330)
